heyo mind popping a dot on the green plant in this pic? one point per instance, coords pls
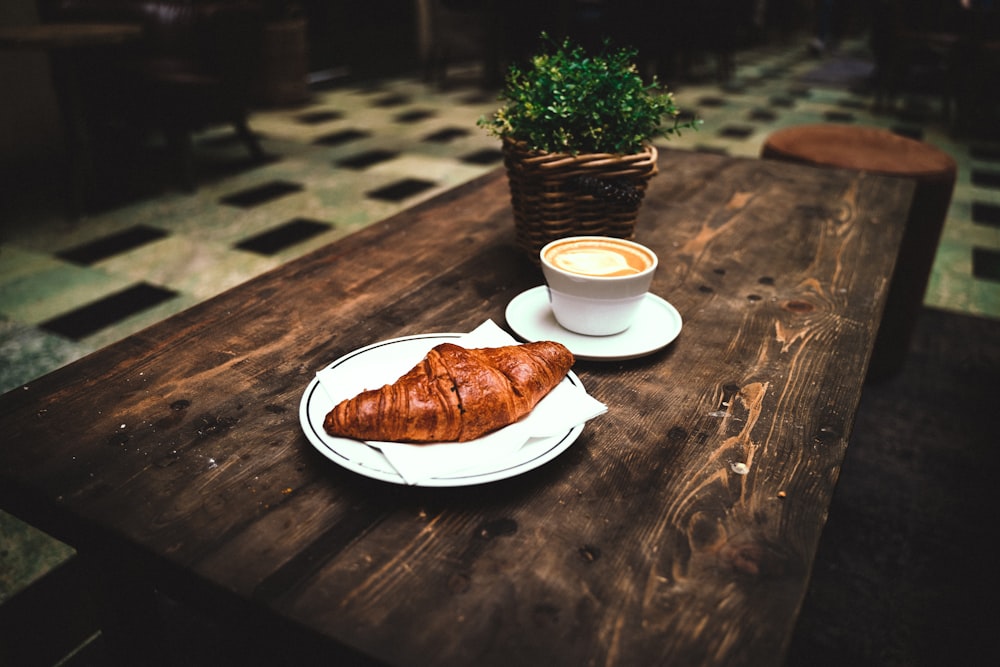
(569, 101)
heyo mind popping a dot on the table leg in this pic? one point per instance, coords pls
(128, 613)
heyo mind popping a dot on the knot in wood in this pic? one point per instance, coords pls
(589, 553)
(677, 434)
(799, 306)
(754, 559)
(212, 426)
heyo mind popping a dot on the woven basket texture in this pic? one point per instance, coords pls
(551, 198)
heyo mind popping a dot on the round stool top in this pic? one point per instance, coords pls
(864, 148)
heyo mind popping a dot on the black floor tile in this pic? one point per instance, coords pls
(838, 117)
(447, 134)
(400, 190)
(712, 102)
(736, 131)
(687, 116)
(261, 194)
(985, 153)
(283, 236)
(97, 315)
(782, 102)
(986, 264)
(799, 92)
(341, 137)
(366, 159)
(763, 115)
(986, 214)
(484, 156)
(317, 117)
(115, 244)
(414, 116)
(986, 179)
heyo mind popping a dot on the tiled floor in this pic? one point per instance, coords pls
(359, 152)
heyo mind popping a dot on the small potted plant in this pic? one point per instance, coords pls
(577, 133)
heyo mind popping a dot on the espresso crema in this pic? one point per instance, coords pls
(598, 258)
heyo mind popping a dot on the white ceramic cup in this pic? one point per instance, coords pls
(597, 283)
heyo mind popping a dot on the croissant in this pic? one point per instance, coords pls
(454, 394)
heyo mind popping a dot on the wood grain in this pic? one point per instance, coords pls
(679, 529)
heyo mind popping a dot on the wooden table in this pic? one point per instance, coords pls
(65, 42)
(680, 528)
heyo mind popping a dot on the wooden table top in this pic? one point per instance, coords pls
(680, 528)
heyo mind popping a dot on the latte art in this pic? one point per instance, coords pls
(594, 262)
(601, 258)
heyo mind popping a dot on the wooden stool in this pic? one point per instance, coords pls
(882, 152)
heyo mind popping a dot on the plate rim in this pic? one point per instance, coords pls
(317, 439)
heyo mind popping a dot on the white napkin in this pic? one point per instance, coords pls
(563, 408)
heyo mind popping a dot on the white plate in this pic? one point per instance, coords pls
(392, 358)
(657, 324)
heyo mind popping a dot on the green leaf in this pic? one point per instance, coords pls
(572, 101)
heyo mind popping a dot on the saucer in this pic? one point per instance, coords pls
(657, 324)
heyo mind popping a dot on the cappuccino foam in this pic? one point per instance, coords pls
(598, 258)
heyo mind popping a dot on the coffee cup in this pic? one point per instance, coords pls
(597, 283)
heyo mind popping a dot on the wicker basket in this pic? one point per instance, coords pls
(555, 195)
